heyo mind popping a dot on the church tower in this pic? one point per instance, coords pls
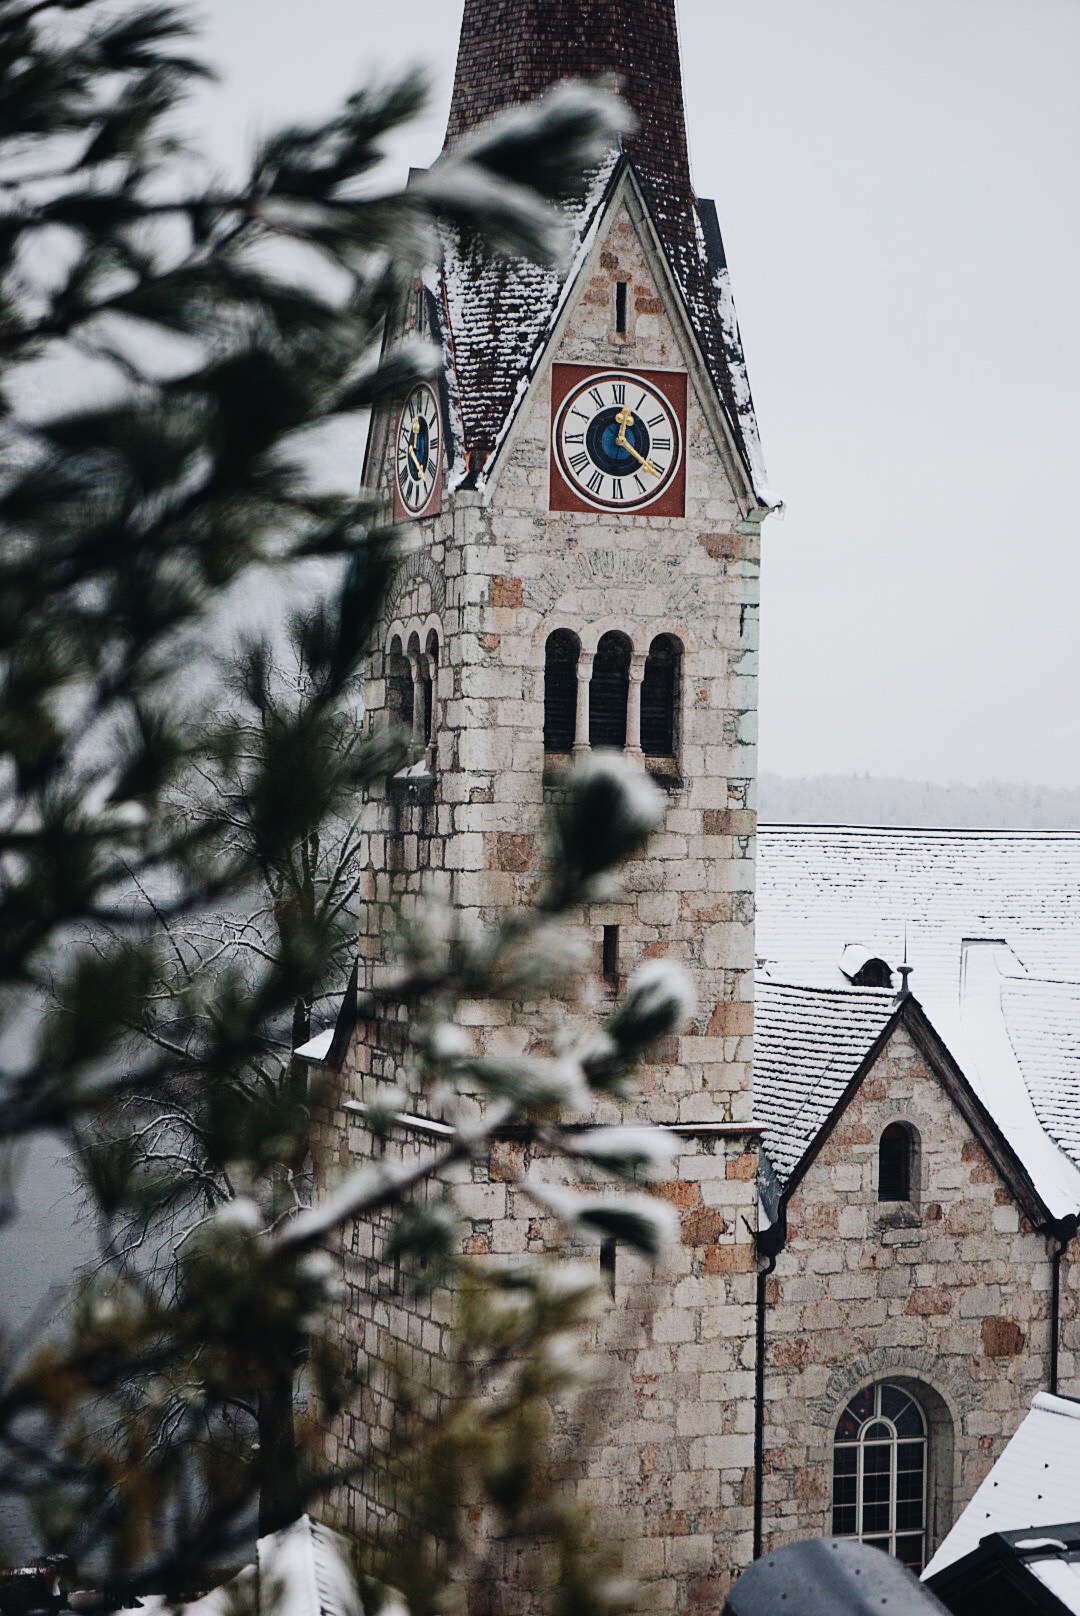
(586, 483)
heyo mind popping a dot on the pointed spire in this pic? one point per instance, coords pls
(513, 50)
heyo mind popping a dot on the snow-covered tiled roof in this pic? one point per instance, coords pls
(1043, 1020)
(808, 1045)
(1035, 1483)
(991, 924)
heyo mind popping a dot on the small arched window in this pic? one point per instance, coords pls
(431, 679)
(879, 1473)
(560, 691)
(609, 690)
(896, 1154)
(399, 686)
(659, 697)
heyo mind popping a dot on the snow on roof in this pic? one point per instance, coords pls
(1035, 1482)
(991, 924)
(317, 1048)
(1043, 1019)
(808, 1045)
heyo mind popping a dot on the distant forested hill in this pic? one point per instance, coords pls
(858, 799)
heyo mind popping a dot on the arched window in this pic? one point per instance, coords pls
(560, 691)
(609, 690)
(431, 679)
(399, 686)
(659, 697)
(896, 1163)
(879, 1473)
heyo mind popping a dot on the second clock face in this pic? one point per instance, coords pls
(617, 441)
(418, 450)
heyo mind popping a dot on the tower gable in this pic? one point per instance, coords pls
(498, 318)
(622, 248)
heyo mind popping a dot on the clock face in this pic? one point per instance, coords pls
(417, 453)
(617, 441)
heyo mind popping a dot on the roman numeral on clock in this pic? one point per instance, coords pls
(597, 397)
(661, 444)
(596, 482)
(618, 392)
(578, 462)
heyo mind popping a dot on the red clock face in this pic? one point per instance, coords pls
(618, 441)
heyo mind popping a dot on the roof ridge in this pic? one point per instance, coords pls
(1064, 833)
(837, 992)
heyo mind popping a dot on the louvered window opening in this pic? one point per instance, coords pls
(894, 1164)
(658, 690)
(608, 692)
(560, 691)
(879, 1473)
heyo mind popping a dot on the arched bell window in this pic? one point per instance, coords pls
(609, 691)
(431, 679)
(879, 1472)
(399, 686)
(560, 690)
(896, 1163)
(659, 697)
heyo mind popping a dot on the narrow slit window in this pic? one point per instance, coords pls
(621, 290)
(610, 955)
(608, 1248)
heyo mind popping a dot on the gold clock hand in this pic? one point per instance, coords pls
(421, 471)
(646, 465)
(625, 418)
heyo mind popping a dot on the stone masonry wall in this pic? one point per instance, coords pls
(951, 1295)
(494, 575)
(660, 1448)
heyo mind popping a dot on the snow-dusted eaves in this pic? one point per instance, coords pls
(991, 924)
(808, 1045)
(1034, 1483)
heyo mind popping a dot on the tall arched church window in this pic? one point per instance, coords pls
(879, 1473)
(609, 690)
(896, 1152)
(560, 691)
(659, 697)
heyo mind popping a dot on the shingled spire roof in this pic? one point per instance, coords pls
(510, 52)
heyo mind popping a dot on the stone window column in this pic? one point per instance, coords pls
(633, 705)
(581, 723)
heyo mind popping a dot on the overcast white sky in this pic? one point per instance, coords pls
(897, 187)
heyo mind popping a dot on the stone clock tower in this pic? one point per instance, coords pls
(588, 493)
